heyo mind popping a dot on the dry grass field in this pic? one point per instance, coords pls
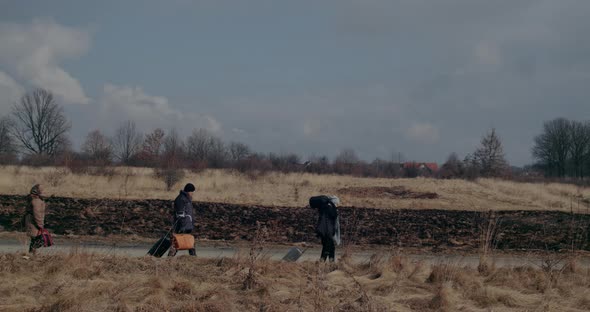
(294, 189)
(90, 282)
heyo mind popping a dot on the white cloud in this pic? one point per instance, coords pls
(33, 52)
(422, 133)
(488, 53)
(120, 103)
(10, 91)
(311, 127)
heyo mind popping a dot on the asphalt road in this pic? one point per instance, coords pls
(278, 252)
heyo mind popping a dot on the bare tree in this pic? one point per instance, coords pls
(490, 155)
(204, 147)
(347, 156)
(218, 154)
(126, 142)
(452, 168)
(198, 145)
(173, 150)
(169, 169)
(97, 147)
(7, 146)
(471, 168)
(238, 151)
(552, 147)
(318, 164)
(39, 123)
(152, 147)
(285, 162)
(579, 146)
(346, 161)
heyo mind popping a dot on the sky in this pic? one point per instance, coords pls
(383, 77)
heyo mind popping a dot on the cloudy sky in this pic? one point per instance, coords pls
(419, 77)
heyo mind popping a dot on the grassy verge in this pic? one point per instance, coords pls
(89, 282)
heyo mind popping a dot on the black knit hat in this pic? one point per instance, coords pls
(189, 187)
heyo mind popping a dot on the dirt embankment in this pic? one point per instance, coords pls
(432, 229)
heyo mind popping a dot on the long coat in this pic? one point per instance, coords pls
(35, 216)
(326, 225)
(183, 213)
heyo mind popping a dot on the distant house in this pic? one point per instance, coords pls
(421, 168)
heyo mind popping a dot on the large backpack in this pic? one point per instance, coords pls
(319, 201)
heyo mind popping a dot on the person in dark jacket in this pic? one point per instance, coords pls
(183, 216)
(328, 228)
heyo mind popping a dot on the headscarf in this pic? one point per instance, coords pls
(335, 200)
(36, 190)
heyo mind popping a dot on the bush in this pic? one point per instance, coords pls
(169, 175)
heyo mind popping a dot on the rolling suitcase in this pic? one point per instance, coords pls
(293, 254)
(160, 247)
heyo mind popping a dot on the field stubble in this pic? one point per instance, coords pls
(293, 189)
(248, 282)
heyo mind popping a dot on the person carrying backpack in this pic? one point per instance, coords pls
(328, 224)
(183, 216)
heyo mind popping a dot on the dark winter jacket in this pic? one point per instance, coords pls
(183, 213)
(326, 225)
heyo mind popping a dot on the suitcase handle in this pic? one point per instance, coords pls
(168, 233)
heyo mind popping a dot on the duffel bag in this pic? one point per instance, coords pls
(183, 241)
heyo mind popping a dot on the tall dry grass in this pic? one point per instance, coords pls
(295, 188)
(88, 282)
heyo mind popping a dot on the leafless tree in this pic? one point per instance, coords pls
(452, 168)
(97, 148)
(126, 142)
(152, 146)
(552, 147)
(346, 161)
(285, 162)
(579, 146)
(318, 164)
(173, 151)
(347, 156)
(471, 167)
(238, 151)
(198, 145)
(217, 156)
(7, 146)
(202, 146)
(490, 155)
(39, 124)
(169, 169)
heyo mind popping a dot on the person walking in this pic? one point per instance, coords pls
(183, 216)
(328, 225)
(34, 218)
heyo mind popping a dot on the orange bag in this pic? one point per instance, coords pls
(183, 241)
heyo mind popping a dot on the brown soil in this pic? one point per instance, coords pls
(397, 192)
(435, 230)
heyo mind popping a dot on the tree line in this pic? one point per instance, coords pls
(563, 149)
(36, 133)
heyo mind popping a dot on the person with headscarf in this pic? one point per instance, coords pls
(183, 216)
(35, 218)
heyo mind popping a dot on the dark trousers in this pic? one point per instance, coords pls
(173, 250)
(328, 248)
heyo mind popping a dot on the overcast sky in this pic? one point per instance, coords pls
(421, 78)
